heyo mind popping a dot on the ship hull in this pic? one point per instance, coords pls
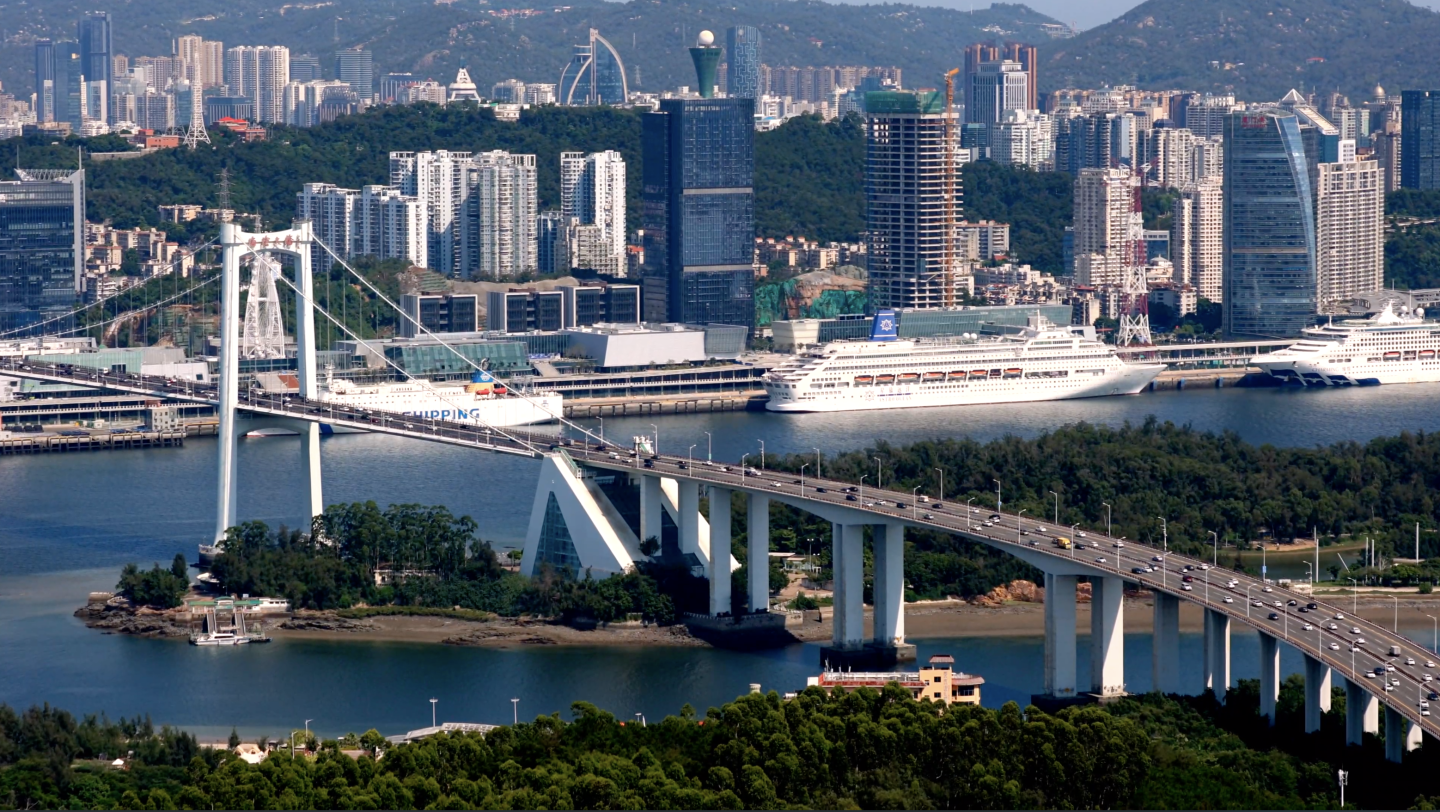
(1129, 379)
(1318, 373)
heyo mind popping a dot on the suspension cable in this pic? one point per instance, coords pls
(381, 295)
(77, 311)
(346, 330)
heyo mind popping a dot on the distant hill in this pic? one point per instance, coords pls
(431, 38)
(1258, 48)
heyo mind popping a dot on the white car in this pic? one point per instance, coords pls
(1359, 641)
(1332, 627)
(1339, 616)
(1334, 646)
(1159, 558)
(1204, 566)
(1279, 605)
(1429, 663)
(1426, 678)
(1267, 589)
(1256, 604)
(1389, 666)
(1100, 559)
(989, 524)
(1119, 544)
(1309, 628)
(1081, 534)
(1228, 599)
(1409, 660)
(1354, 629)
(1187, 587)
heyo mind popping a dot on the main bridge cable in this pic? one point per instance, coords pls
(77, 311)
(508, 390)
(528, 444)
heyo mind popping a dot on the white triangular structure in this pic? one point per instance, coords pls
(263, 335)
(462, 89)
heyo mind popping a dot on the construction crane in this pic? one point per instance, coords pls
(949, 293)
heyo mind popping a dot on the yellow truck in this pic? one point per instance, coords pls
(1063, 543)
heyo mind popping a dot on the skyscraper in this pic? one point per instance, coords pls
(69, 84)
(1349, 231)
(44, 80)
(42, 249)
(1197, 239)
(699, 211)
(912, 196)
(375, 221)
(594, 75)
(742, 55)
(592, 190)
(354, 67)
(1029, 61)
(1420, 139)
(438, 180)
(305, 68)
(204, 59)
(1269, 257)
(97, 49)
(994, 88)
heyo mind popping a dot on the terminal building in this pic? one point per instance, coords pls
(937, 681)
(914, 323)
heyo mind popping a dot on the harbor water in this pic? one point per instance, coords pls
(68, 522)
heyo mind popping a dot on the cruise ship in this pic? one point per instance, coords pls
(1041, 362)
(1392, 346)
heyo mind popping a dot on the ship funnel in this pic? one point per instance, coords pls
(883, 328)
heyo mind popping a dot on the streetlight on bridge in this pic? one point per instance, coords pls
(941, 471)
(1107, 519)
(999, 505)
(1057, 508)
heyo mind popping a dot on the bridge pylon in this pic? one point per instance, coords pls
(236, 244)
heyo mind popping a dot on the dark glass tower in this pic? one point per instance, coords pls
(69, 84)
(1268, 271)
(594, 75)
(1420, 139)
(354, 67)
(42, 248)
(698, 211)
(97, 48)
(742, 54)
(44, 72)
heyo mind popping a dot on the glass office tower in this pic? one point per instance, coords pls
(698, 211)
(742, 55)
(594, 75)
(1268, 271)
(42, 234)
(1420, 139)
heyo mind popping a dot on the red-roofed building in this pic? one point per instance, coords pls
(938, 681)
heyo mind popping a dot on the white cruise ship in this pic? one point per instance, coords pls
(483, 401)
(1042, 362)
(1389, 347)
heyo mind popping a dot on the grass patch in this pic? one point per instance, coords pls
(362, 612)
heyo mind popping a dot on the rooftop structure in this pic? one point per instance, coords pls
(937, 681)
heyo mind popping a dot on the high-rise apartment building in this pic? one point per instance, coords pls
(437, 179)
(497, 237)
(698, 211)
(1349, 231)
(354, 67)
(1386, 145)
(374, 221)
(1205, 116)
(1108, 234)
(1420, 139)
(305, 68)
(1029, 60)
(742, 55)
(592, 190)
(204, 59)
(1197, 238)
(994, 88)
(1024, 137)
(913, 199)
(1084, 142)
(1269, 227)
(42, 249)
(260, 73)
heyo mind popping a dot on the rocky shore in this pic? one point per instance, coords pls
(116, 615)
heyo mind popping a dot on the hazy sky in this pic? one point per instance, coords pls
(1086, 13)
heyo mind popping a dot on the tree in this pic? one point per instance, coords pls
(234, 739)
(179, 568)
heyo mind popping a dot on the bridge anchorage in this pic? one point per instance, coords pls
(585, 516)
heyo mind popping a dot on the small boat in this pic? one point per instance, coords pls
(979, 373)
(1427, 353)
(934, 377)
(882, 379)
(909, 377)
(958, 375)
(1392, 356)
(1012, 373)
(864, 380)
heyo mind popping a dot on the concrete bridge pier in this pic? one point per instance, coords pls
(1217, 652)
(1362, 713)
(1165, 653)
(719, 561)
(888, 639)
(652, 508)
(688, 506)
(848, 562)
(1401, 736)
(1269, 676)
(1107, 636)
(1317, 692)
(1060, 635)
(757, 520)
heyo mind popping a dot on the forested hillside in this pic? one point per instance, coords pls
(532, 43)
(1258, 50)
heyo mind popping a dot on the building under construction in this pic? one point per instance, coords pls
(913, 199)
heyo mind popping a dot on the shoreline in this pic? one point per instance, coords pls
(926, 620)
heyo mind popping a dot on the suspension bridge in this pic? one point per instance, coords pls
(574, 522)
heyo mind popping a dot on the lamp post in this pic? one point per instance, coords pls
(1311, 575)
(709, 448)
(690, 455)
(656, 440)
(802, 478)
(818, 474)
(878, 471)
(1107, 519)
(1215, 558)
(602, 430)
(1354, 597)
(433, 700)
(1397, 614)
(1017, 526)
(999, 505)
(742, 469)
(941, 472)
(1073, 543)
(1248, 601)
(914, 503)
(1165, 530)
(1057, 507)
(515, 709)
(641, 717)
(1435, 630)
(762, 454)
(969, 523)
(863, 477)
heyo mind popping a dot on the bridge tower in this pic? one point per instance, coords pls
(236, 244)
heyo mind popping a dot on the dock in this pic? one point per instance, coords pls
(54, 443)
(674, 404)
